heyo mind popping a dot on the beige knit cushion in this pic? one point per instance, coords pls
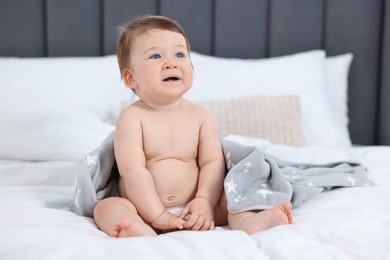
(275, 118)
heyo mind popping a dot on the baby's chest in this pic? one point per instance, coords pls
(178, 140)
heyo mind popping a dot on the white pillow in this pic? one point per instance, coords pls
(89, 86)
(49, 135)
(299, 74)
(336, 89)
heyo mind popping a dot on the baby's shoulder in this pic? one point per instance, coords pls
(196, 106)
(200, 110)
(133, 111)
(136, 106)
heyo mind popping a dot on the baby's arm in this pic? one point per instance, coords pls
(139, 184)
(212, 172)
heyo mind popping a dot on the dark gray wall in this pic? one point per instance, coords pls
(229, 28)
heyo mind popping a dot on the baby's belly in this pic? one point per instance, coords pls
(176, 181)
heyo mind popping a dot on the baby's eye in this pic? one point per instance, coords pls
(155, 56)
(179, 55)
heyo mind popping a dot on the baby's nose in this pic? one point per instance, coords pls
(169, 65)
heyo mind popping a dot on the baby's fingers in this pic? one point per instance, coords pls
(192, 220)
(184, 212)
(199, 223)
(179, 223)
(208, 225)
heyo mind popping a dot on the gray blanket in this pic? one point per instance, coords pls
(254, 180)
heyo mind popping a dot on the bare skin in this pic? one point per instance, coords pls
(168, 152)
(129, 228)
(250, 222)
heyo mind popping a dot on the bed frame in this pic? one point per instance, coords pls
(228, 28)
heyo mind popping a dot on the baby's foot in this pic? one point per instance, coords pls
(266, 219)
(131, 228)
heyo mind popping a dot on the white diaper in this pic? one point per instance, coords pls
(176, 210)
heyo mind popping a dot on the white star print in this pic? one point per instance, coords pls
(264, 192)
(78, 191)
(238, 199)
(228, 161)
(248, 164)
(230, 186)
(228, 154)
(91, 160)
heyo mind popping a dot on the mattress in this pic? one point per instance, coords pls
(343, 223)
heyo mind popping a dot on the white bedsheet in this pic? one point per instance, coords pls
(350, 223)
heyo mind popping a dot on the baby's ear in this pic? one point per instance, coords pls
(128, 79)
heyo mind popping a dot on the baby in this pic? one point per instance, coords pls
(167, 148)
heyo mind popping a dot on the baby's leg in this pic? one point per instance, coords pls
(252, 222)
(118, 217)
(221, 212)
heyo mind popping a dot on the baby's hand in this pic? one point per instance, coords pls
(166, 221)
(201, 215)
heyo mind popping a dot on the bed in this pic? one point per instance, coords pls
(305, 80)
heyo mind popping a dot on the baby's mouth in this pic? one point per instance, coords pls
(171, 79)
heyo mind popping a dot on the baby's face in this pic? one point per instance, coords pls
(161, 65)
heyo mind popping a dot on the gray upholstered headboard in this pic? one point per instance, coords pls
(230, 28)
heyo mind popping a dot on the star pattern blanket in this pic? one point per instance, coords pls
(255, 180)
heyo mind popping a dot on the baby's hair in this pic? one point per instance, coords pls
(139, 26)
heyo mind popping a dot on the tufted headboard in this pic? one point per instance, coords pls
(228, 28)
